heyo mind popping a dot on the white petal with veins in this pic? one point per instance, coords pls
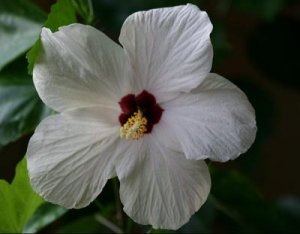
(70, 159)
(215, 121)
(164, 188)
(169, 49)
(79, 67)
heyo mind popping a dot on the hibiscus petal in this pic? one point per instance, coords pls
(169, 49)
(70, 157)
(216, 121)
(164, 188)
(78, 67)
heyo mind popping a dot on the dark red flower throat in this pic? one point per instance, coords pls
(146, 103)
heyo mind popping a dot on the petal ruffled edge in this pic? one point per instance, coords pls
(164, 189)
(169, 49)
(79, 66)
(215, 121)
(70, 160)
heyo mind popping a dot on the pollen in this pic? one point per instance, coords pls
(135, 127)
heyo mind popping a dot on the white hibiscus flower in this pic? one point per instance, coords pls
(149, 113)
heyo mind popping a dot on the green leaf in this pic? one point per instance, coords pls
(21, 108)
(62, 13)
(85, 10)
(17, 201)
(44, 215)
(20, 25)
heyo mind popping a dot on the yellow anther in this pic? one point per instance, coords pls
(135, 127)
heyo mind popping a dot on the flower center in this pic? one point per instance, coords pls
(135, 127)
(139, 114)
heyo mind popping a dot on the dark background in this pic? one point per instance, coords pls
(256, 46)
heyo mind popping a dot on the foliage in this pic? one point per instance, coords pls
(21, 108)
(20, 24)
(17, 201)
(62, 13)
(44, 215)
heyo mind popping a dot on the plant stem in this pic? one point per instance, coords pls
(91, 10)
(129, 225)
(226, 210)
(119, 216)
(99, 205)
(105, 222)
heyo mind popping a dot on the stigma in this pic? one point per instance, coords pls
(135, 127)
